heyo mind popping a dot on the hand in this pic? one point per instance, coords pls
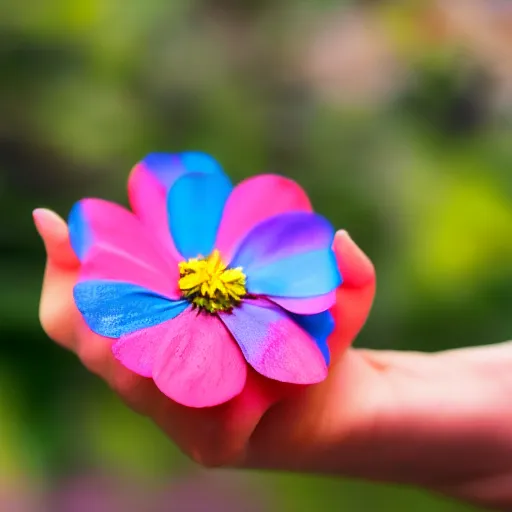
(216, 436)
(441, 421)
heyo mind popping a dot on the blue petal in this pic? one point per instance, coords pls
(282, 236)
(289, 255)
(320, 327)
(195, 204)
(114, 308)
(167, 167)
(195, 161)
(79, 233)
(303, 275)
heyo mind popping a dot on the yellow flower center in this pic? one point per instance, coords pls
(209, 285)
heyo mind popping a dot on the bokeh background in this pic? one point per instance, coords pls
(395, 116)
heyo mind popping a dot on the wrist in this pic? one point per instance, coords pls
(445, 425)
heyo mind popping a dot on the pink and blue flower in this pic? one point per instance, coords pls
(202, 279)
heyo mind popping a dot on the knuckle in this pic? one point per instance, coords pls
(126, 385)
(56, 328)
(58, 319)
(93, 357)
(217, 452)
(48, 320)
(209, 458)
(135, 391)
(200, 435)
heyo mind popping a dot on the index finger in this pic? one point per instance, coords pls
(57, 311)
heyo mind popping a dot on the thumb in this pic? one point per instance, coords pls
(355, 296)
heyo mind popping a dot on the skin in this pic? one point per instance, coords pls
(439, 421)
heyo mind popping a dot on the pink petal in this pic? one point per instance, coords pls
(254, 200)
(148, 199)
(274, 345)
(96, 222)
(152, 179)
(198, 364)
(137, 351)
(307, 306)
(113, 263)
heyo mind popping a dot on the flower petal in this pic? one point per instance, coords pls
(113, 308)
(195, 205)
(253, 201)
(148, 199)
(289, 255)
(308, 305)
(115, 264)
(151, 180)
(283, 236)
(94, 222)
(198, 363)
(137, 350)
(309, 274)
(167, 167)
(274, 345)
(320, 327)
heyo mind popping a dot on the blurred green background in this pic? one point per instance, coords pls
(395, 116)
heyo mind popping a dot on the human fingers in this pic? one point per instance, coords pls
(354, 297)
(57, 311)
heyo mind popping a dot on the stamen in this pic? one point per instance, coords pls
(209, 285)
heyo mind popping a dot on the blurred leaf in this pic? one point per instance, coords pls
(53, 16)
(465, 235)
(304, 494)
(18, 451)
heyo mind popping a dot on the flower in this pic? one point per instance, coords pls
(202, 279)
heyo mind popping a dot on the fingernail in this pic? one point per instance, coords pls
(355, 266)
(38, 216)
(45, 221)
(43, 218)
(343, 232)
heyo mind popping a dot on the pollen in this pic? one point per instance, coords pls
(209, 285)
